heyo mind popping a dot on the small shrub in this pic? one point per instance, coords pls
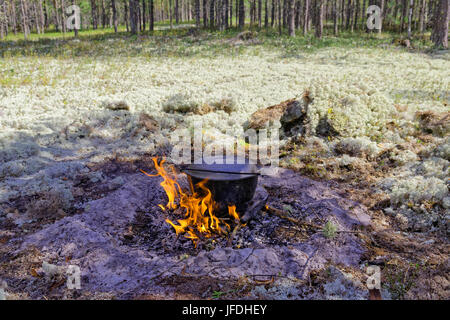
(329, 230)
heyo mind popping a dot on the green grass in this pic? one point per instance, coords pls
(183, 42)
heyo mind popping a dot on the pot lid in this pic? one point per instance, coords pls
(223, 168)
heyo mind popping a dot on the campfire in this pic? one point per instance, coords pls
(200, 218)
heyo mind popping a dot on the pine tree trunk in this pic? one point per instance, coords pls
(114, 14)
(23, 9)
(363, 14)
(440, 28)
(14, 18)
(319, 19)
(306, 17)
(266, 13)
(143, 15)
(231, 12)
(410, 14)
(348, 14)
(280, 22)
(297, 14)
(94, 14)
(355, 21)
(211, 13)
(125, 14)
(133, 16)
(225, 14)
(259, 13)
(36, 18)
(241, 14)
(152, 15)
(404, 14)
(41, 16)
(2, 20)
(422, 16)
(291, 17)
(205, 13)
(335, 18)
(104, 14)
(171, 14)
(197, 13)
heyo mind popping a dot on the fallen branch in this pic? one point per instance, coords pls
(233, 234)
(283, 215)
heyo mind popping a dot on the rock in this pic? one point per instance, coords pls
(51, 270)
(116, 105)
(343, 286)
(403, 42)
(148, 122)
(246, 35)
(292, 114)
(325, 128)
(434, 122)
(256, 204)
(194, 32)
(116, 183)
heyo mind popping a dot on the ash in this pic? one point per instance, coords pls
(125, 249)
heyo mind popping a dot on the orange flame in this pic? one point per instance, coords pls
(199, 218)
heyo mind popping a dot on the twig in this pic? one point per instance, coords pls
(233, 234)
(283, 215)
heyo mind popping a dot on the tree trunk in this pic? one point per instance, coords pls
(2, 20)
(335, 18)
(41, 16)
(23, 9)
(143, 15)
(259, 13)
(280, 22)
(306, 17)
(319, 21)
(348, 14)
(93, 14)
(241, 14)
(291, 18)
(422, 16)
(205, 13)
(211, 13)
(152, 15)
(266, 13)
(225, 14)
(75, 30)
(298, 12)
(197, 13)
(171, 13)
(411, 4)
(404, 13)
(104, 14)
(357, 9)
(382, 14)
(14, 18)
(133, 16)
(125, 14)
(441, 19)
(114, 14)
